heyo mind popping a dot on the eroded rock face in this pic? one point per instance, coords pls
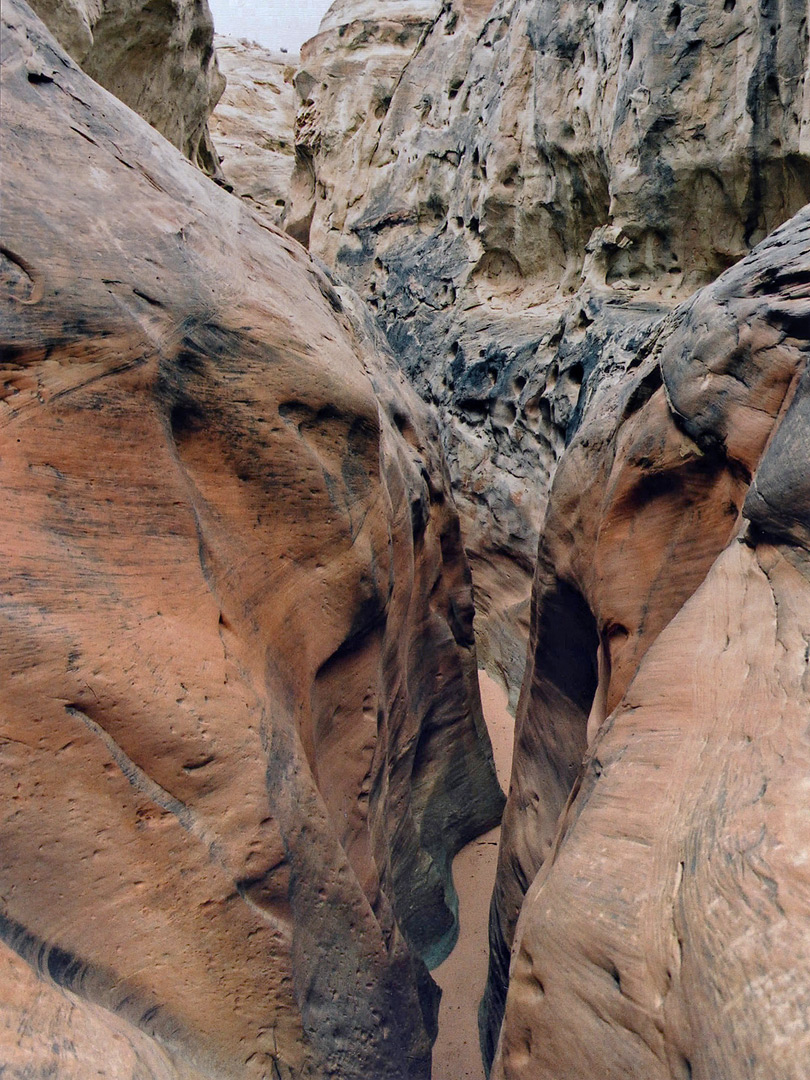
(156, 57)
(666, 928)
(530, 187)
(241, 735)
(252, 125)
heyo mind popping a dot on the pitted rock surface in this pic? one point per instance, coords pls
(521, 190)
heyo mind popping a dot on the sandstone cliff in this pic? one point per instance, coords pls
(252, 125)
(241, 734)
(521, 190)
(665, 933)
(157, 57)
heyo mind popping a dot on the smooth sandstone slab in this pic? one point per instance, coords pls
(668, 937)
(252, 125)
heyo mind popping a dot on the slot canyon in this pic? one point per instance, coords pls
(405, 609)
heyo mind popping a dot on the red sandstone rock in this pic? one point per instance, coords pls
(666, 928)
(240, 731)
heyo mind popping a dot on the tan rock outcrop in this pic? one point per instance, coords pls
(252, 125)
(538, 182)
(665, 933)
(239, 721)
(158, 58)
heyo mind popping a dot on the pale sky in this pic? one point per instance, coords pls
(273, 23)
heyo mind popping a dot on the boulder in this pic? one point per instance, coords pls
(240, 726)
(652, 887)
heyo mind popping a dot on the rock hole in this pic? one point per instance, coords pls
(576, 373)
(537, 414)
(729, 5)
(674, 18)
(400, 420)
(186, 417)
(473, 410)
(446, 295)
(643, 391)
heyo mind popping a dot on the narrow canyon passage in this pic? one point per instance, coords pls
(456, 1053)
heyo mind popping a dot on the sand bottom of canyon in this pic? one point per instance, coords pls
(456, 1055)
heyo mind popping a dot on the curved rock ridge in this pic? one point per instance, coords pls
(528, 189)
(157, 56)
(655, 820)
(252, 125)
(240, 726)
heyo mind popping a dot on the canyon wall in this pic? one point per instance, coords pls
(521, 190)
(252, 125)
(157, 56)
(527, 194)
(241, 732)
(665, 932)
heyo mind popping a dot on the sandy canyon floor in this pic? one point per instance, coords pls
(456, 1055)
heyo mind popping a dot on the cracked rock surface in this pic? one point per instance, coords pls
(240, 730)
(521, 190)
(655, 900)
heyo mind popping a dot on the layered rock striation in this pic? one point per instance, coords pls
(521, 190)
(157, 56)
(655, 820)
(240, 727)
